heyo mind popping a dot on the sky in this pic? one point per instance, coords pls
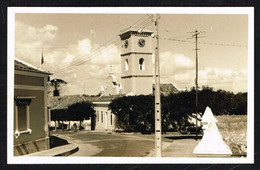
(80, 48)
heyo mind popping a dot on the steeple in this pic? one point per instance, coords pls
(111, 72)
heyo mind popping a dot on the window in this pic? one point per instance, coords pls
(111, 119)
(22, 115)
(102, 116)
(141, 64)
(97, 116)
(126, 65)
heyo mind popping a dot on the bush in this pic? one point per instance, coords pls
(136, 113)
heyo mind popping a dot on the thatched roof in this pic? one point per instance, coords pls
(62, 102)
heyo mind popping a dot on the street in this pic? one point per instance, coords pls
(99, 144)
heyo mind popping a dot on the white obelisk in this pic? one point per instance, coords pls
(212, 142)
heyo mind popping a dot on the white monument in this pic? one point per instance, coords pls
(212, 142)
(207, 117)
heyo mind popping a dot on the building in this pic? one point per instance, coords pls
(105, 119)
(136, 60)
(62, 103)
(30, 109)
(111, 87)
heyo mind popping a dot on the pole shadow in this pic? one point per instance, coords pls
(179, 137)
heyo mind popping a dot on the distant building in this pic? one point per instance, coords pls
(30, 109)
(111, 87)
(63, 102)
(105, 119)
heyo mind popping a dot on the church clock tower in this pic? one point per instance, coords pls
(136, 60)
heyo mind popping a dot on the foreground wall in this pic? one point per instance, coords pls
(30, 113)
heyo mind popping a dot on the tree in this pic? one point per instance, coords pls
(176, 108)
(56, 83)
(239, 104)
(81, 111)
(134, 113)
(59, 115)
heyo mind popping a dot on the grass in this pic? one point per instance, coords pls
(233, 129)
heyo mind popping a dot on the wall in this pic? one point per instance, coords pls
(106, 124)
(35, 86)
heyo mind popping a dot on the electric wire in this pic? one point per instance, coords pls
(206, 43)
(83, 60)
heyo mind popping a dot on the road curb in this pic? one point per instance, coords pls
(67, 153)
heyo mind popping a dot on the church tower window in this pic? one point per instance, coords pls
(126, 65)
(141, 64)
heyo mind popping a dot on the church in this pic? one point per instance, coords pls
(136, 75)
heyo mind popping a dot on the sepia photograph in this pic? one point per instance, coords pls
(130, 85)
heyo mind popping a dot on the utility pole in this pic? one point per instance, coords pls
(195, 35)
(158, 126)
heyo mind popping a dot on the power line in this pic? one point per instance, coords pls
(206, 43)
(83, 59)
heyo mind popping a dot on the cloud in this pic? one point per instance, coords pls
(76, 63)
(179, 69)
(29, 41)
(218, 78)
(174, 63)
(27, 34)
(107, 55)
(84, 46)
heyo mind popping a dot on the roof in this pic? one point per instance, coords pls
(22, 65)
(108, 98)
(63, 102)
(167, 89)
(134, 28)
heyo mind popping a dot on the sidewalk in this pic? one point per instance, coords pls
(63, 150)
(177, 148)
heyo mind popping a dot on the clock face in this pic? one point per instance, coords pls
(126, 43)
(141, 42)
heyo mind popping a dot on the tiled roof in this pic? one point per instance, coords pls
(167, 89)
(62, 102)
(108, 98)
(21, 65)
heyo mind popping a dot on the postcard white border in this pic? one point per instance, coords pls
(129, 10)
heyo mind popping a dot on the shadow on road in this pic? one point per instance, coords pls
(182, 137)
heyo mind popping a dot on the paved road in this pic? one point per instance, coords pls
(129, 145)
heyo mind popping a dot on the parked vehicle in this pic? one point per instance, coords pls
(191, 129)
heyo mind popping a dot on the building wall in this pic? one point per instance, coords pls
(134, 79)
(105, 120)
(137, 85)
(38, 138)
